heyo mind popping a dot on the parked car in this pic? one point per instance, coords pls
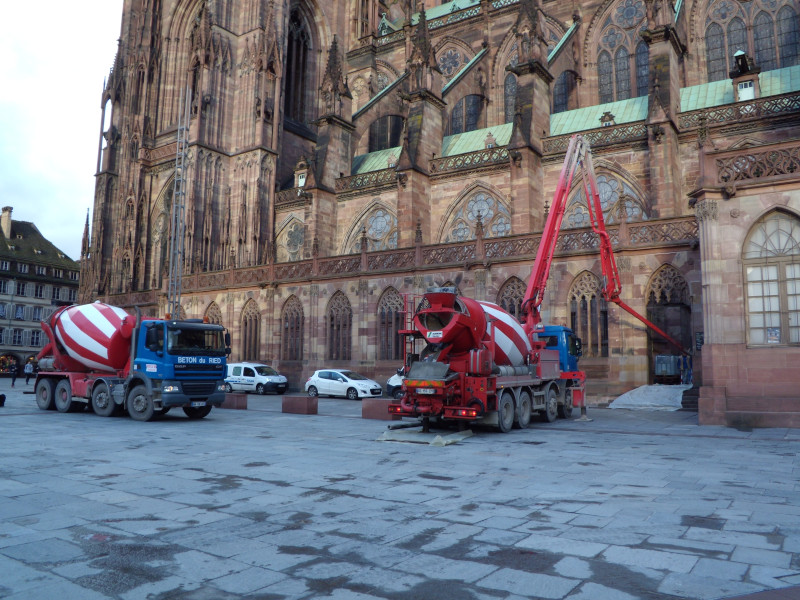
(394, 385)
(254, 377)
(341, 382)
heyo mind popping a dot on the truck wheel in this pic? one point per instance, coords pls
(565, 410)
(102, 402)
(44, 394)
(260, 389)
(524, 410)
(352, 394)
(550, 412)
(140, 405)
(228, 388)
(505, 413)
(63, 396)
(197, 412)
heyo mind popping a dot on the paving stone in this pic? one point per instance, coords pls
(561, 545)
(595, 591)
(437, 567)
(653, 559)
(694, 587)
(574, 568)
(529, 584)
(756, 556)
(248, 580)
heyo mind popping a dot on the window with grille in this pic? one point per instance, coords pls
(16, 337)
(298, 48)
(510, 296)
(771, 260)
(385, 132)
(509, 97)
(564, 92)
(339, 323)
(20, 288)
(390, 322)
(56, 293)
(36, 338)
(767, 31)
(250, 331)
(589, 314)
(623, 59)
(292, 330)
(466, 114)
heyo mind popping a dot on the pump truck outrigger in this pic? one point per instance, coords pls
(481, 364)
(104, 357)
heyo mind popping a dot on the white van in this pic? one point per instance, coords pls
(254, 377)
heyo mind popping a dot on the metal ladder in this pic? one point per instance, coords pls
(178, 225)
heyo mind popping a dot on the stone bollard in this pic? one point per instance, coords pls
(300, 405)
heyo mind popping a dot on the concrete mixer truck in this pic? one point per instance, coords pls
(101, 356)
(480, 363)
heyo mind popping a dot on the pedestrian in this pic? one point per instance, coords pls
(13, 374)
(28, 372)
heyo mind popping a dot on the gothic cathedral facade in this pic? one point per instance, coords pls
(335, 159)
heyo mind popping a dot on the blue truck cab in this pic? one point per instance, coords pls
(566, 342)
(174, 364)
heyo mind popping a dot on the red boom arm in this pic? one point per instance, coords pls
(578, 155)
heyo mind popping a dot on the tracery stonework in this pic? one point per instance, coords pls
(338, 162)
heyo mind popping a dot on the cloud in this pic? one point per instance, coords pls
(56, 56)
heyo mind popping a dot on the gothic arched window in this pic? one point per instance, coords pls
(669, 309)
(495, 218)
(618, 200)
(771, 260)
(767, 30)
(619, 45)
(564, 92)
(589, 314)
(622, 74)
(764, 40)
(214, 314)
(298, 48)
(250, 331)
(385, 132)
(292, 329)
(510, 296)
(380, 227)
(788, 36)
(509, 97)
(604, 74)
(466, 114)
(339, 325)
(642, 69)
(390, 322)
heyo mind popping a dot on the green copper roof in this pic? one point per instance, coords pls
(374, 161)
(563, 41)
(436, 12)
(704, 95)
(461, 143)
(780, 81)
(717, 93)
(379, 95)
(464, 70)
(624, 111)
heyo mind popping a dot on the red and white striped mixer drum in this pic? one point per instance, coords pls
(96, 335)
(511, 343)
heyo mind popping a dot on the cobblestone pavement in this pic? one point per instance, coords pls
(261, 504)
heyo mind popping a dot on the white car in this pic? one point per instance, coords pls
(254, 377)
(341, 382)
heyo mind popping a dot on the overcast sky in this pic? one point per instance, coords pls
(54, 57)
